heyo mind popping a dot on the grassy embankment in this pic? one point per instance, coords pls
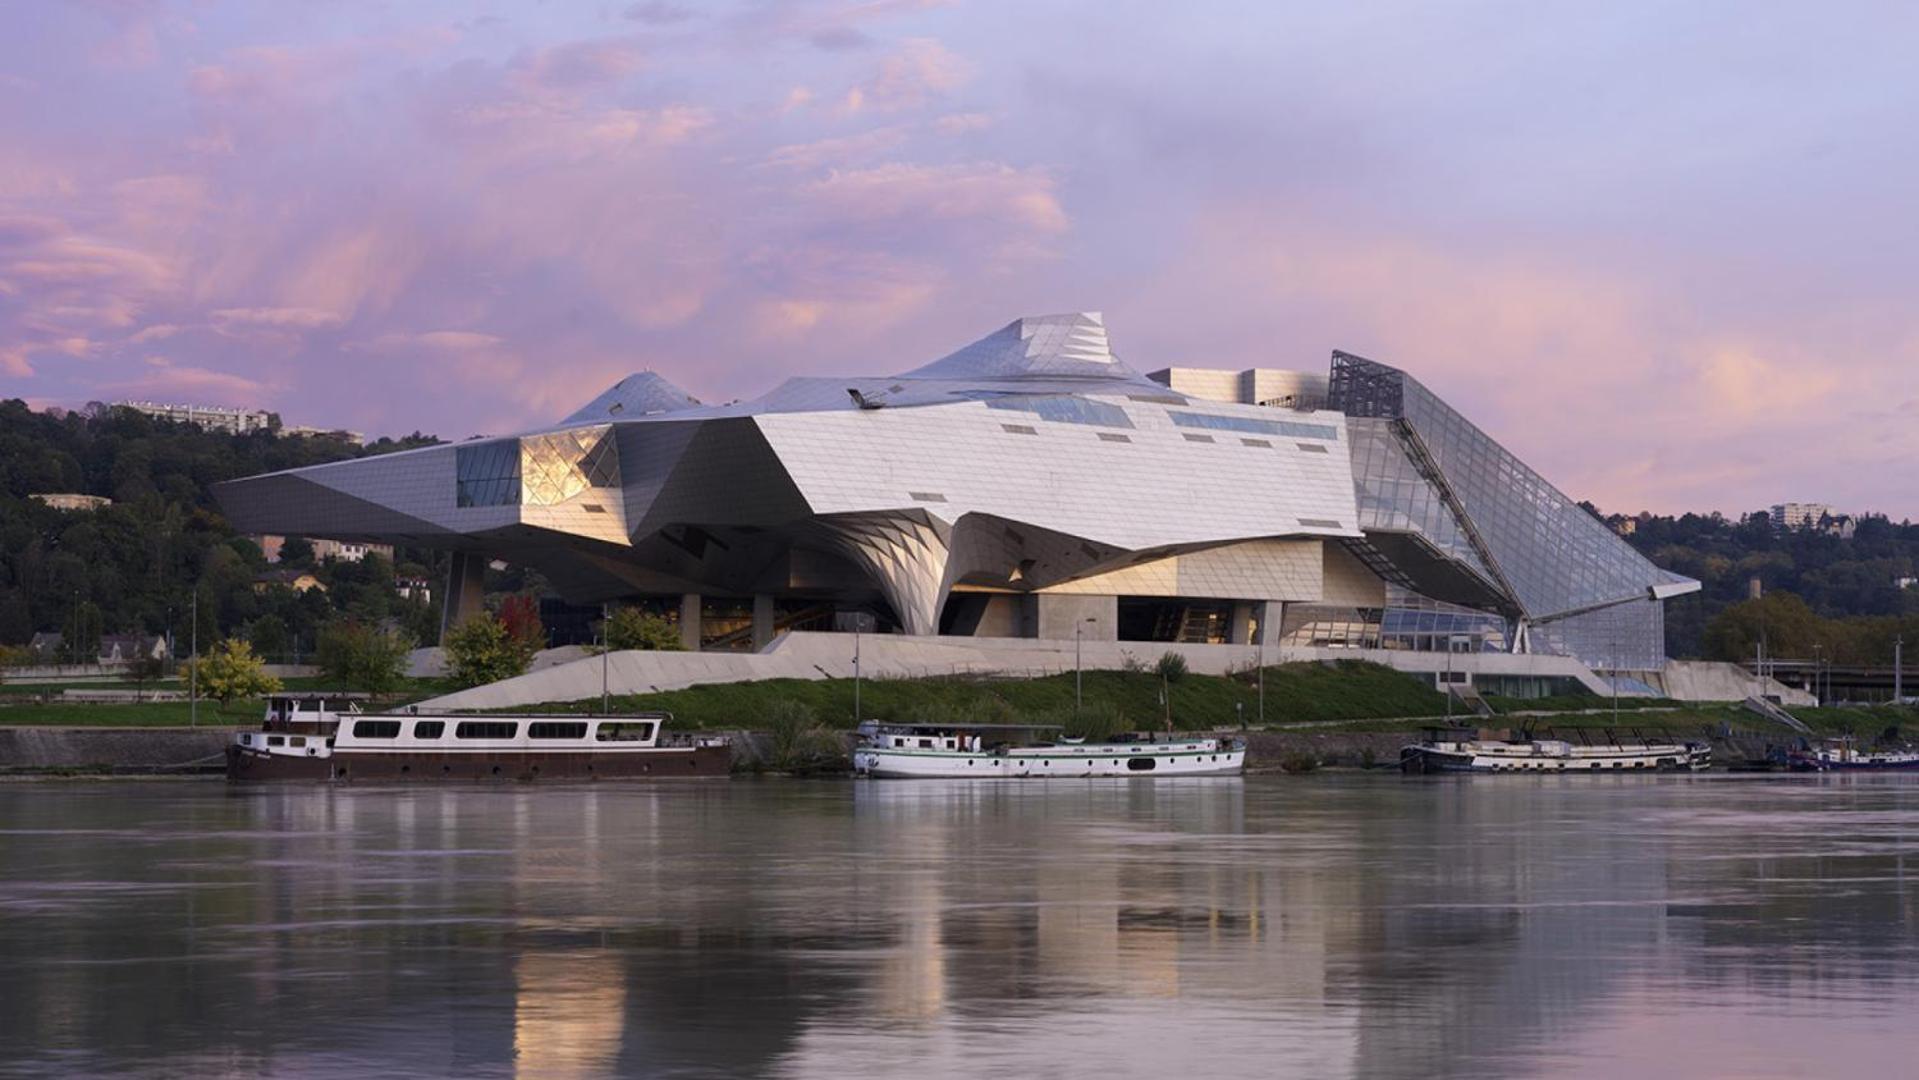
(1342, 697)
(39, 704)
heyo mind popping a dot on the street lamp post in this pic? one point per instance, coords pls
(1898, 670)
(1077, 681)
(857, 619)
(606, 649)
(193, 665)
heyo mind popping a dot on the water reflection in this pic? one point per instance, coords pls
(1334, 926)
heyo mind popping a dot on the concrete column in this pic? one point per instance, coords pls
(690, 621)
(1239, 631)
(762, 620)
(1270, 613)
(1060, 612)
(465, 590)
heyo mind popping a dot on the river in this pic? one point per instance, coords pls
(1323, 926)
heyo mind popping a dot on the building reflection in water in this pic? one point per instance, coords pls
(1330, 927)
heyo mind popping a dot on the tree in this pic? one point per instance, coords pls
(520, 614)
(637, 628)
(480, 651)
(144, 671)
(232, 672)
(364, 657)
(268, 633)
(1171, 668)
(296, 551)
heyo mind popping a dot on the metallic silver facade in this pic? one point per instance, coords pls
(1031, 463)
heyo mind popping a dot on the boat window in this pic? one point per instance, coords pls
(557, 729)
(486, 729)
(297, 740)
(376, 729)
(623, 732)
(429, 729)
(926, 744)
(1141, 764)
(276, 740)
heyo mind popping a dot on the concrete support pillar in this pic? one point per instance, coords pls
(1269, 613)
(465, 590)
(762, 620)
(1059, 613)
(690, 621)
(1239, 631)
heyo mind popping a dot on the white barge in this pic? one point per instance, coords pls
(1520, 752)
(924, 751)
(311, 737)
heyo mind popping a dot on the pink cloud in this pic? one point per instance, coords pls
(920, 71)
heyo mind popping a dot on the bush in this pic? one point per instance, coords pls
(480, 650)
(232, 672)
(1298, 762)
(798, 740)
(637, 628)
(1171, 667)
(363, 657)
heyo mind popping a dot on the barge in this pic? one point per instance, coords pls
(311, 737)
(1843, 755)
(1458, 751)
(928, 751)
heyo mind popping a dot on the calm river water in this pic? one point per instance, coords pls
(1323, 926)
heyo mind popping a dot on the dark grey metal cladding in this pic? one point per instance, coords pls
(294, 504)
(725, 475)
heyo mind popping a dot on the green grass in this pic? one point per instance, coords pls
(146, 714)
(1570, 703)
(1294, 692)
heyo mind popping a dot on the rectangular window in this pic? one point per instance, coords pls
(1256, 442)
(615, 732)
(486, 729)
(297, 740)
(1311, 448)
(276, 740)
(1019, 429)
(1319, 523)
(593, 508)
(376, 729)
(1218, 422)
(429, 729)
(1107, 436)
(556, 729)
(1063, 409)
(488, 473)
(926, 496)
(1190, 437)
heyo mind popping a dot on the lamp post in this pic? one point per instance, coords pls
(1077, 627)
(1898, 671)
(858, 618)
(1818, 664)
(606, 648)
(1259, 670)
(193, 665)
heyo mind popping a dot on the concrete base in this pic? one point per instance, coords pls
(1712, 680)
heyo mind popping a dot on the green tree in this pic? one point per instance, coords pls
(481, 650)
(232, 672)
(268, 633)
(364, 657)
(143, 671)
(296, 552)
(637, 628)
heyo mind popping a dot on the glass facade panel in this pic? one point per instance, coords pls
(536, 470)
(488, 473)
(1394, 497)
(1624, 637)
(1259, 427)
(557, 466)
(1063, 409)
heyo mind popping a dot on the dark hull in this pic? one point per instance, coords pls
(673, 763)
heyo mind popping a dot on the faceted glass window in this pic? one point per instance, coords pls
(557, 466)
(1246, 423)
(1064, 409)
(488, 473)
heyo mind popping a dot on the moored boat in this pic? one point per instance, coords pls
(1844, 755)
(310, 737)
(1461, 751)
(920, 751)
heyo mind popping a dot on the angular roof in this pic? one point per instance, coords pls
(1042, 346)
(640, 394)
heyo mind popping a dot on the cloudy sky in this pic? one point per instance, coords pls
(1669, 254)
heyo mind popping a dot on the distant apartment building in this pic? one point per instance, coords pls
(1794, 515)
(72, 500)
(1254, 386)
(210, 417)
(413, 588)
(323, 550)
(343, 435)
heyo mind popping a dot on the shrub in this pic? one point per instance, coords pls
(1171, 667)
(231, 672)
(520, 614)
(798, 741)
(480, 651)
(1298, 761)
(637, 628)
(364, 657)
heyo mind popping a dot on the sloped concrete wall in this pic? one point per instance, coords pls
(1713, 680)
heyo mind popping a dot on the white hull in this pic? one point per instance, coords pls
(1552, 756)
(1204, 757)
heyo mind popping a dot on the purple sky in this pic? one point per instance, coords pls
(1666, 253)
